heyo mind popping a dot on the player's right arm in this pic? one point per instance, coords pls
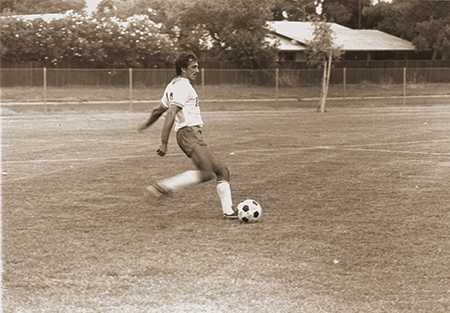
(155, 115)
(167, 127)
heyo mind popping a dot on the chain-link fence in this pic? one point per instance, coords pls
(134, 85)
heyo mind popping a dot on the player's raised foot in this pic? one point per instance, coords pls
(230, 216)
(155, 192)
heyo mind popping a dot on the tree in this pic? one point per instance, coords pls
(344, 12)
(169, 15)
(186, 32)
(347, 12)
(40, 6)
(434, 35)
(322, 51)
(234, 30)
(443, 42)
(292, 10)
(8, 6)
(384, 16)
(107, 8)
(79, 40)
(339, 13)
(421, 21)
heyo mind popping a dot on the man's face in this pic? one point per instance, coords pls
(191, 71)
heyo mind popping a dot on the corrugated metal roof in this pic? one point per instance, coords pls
(346, 38)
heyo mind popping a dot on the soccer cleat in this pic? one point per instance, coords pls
(230, 216)
(155, 191)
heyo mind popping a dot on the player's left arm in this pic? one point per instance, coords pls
(155, 115)
(167, 127)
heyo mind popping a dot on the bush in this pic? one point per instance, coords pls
(77, 40)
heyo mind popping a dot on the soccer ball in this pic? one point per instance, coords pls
(249, 211)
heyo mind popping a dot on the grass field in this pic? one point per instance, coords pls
(238, 91)
(357, 214)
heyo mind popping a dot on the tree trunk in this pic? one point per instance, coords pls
(434, 55)
(321, 107)
(330, 59)
(325, 83)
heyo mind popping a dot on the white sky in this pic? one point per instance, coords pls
(91, 5)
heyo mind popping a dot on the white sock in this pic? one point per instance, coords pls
(181, 181)
(224, 192)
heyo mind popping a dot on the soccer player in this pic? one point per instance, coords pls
(181, 104)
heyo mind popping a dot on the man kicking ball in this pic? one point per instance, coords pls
(180, 101)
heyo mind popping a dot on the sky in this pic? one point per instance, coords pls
(91, 5)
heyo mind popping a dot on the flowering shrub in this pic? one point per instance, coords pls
(79, 40)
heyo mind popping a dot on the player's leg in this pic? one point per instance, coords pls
(224, 188)
(207, 163)
(177, 182)
(203, 161)
(192, 144)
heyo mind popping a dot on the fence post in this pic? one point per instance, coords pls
(344, 79)
(44, 73)
(404, 85)
(277, 84)
(203, 82)
(130, 89)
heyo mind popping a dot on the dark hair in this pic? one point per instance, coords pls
(183, 61)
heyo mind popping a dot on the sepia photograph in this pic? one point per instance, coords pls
(225, 156)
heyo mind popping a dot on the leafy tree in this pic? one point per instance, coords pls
(344, 12)
(84, 41)
(321, 51)
(396, 18)
(339, 13)
(174, 16)
(235, 29)
(384, 16)
(40, 6)
(169, 15)
(8, 6)
(106, 8)
(443, 41)
(347, 12)
(423, 22)
(15, 39)
(292, 10)
(434, 35)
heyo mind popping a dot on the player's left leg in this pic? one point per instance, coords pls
(209, 166)
(223, 186)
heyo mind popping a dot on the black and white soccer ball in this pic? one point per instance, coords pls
(249, 211)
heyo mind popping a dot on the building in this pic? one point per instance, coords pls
(358, 44)
(46, 17)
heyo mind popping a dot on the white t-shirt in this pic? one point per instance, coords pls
(180, 92)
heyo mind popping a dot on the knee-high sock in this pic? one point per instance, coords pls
(224, 192)
(181, 181)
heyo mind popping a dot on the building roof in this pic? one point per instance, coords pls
(47, 17)
(284, 43)
(348, 39)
